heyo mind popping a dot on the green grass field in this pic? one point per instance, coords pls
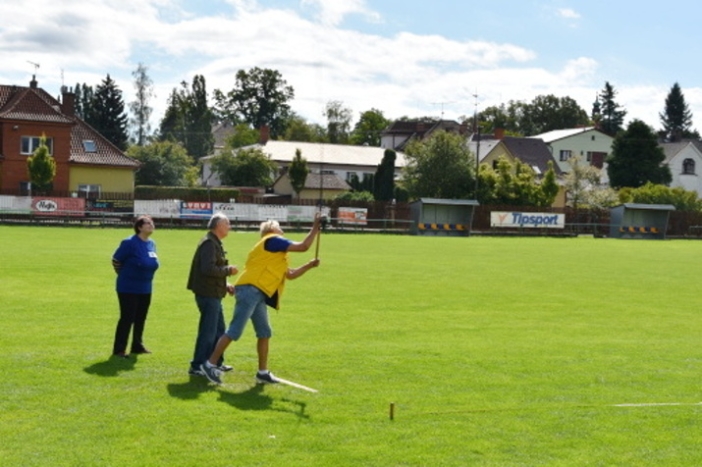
(494, 352)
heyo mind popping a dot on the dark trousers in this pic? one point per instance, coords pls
(209, 330)
(133, 308)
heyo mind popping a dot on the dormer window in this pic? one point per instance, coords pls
(89, 145)
(31, 144)
(688, 167)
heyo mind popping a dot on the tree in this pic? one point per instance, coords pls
(544, 113)
(516, 185)
(107, 115)
(297, 129)
(384, 180)
(636, 158)
(367, 130)
(584, 188)
(677, 117)
(164, 163)
(611, 118)
(83, 101)
(260, 97)
(243, 135)
(41, 167)
(683, 200)
(141, 111)
(188, 119)
(439, 167)
(298, 172)
(338, 122)
(248, 167)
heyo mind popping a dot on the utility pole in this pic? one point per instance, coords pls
(476, 129)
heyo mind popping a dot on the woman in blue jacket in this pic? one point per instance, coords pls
(135, 263)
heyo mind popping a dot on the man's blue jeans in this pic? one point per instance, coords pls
(209, 330)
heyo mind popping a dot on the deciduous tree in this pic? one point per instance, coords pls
(141, 110)
(260, 97)
(164, 163)
(439, 167)
(41, 167)
(248, 167)
(367, 130)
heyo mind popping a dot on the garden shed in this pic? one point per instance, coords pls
(643, 221)
(448, 217)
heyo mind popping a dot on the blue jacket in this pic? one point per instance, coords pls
(136, 263)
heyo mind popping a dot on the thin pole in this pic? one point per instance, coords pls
(321, 194)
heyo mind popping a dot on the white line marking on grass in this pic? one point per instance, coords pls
(656, 404)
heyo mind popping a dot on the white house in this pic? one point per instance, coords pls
(589, 143)
(341, 160)
(685, 161)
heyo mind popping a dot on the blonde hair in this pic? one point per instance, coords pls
(268, 226)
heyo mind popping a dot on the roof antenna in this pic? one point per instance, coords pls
(36, 67)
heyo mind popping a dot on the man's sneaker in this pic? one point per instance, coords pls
(266, 378)
(211, 372)
(225, 368)
(196, 372)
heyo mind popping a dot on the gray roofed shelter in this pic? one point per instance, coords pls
(642, 221)
(442, 217)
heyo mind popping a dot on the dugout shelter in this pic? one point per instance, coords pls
(445, 217)
(642, 221)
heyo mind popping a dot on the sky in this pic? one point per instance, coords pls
(403, 57)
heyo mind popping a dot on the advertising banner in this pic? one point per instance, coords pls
(16, 204)
(195, 210)
(352, 216)
(537, 220)
(100, 206)
(50, 206)
(158, 209)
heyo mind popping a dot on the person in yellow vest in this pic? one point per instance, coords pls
(261, 284)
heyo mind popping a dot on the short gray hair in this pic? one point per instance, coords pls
(268, 226)
(216, 219)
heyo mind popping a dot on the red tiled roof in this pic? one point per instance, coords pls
(36, 105)
(29, 104)
(105, 153)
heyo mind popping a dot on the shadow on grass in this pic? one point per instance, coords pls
(191, 389)
(113, 366)
(255, 399)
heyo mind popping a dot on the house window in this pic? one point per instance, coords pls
(688, 167)
(31, 144)
(25, 188)
(588, 156)
(89, 145)
(565, 154)
(89, 191)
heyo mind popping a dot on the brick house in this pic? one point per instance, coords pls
(86, 162)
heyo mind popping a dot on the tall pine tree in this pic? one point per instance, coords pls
(677, 117)
(611, 115)
(107, 115)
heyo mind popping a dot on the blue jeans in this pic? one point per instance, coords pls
(250, 304)
(209, 330)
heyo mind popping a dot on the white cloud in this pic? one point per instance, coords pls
(568, 13)
(333, 12)
(404, 74)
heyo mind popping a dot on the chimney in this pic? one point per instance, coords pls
(499, 133)
(68, 102)
(33, 82)
(264, 134)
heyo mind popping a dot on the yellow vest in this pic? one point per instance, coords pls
(265, 270)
